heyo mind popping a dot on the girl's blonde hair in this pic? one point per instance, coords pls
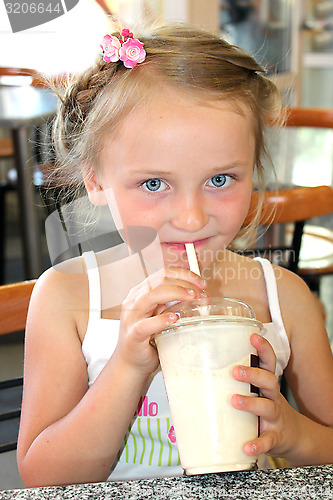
(186, 59)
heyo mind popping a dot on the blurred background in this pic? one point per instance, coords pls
(292, 38)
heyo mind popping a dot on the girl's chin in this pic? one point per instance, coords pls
(181, 263)
(177, 266)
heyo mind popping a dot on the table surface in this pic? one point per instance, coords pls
(26, 106)
(296, 483)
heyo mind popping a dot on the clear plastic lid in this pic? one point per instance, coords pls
(212, 306)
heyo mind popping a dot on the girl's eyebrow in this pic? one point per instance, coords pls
(224, 169)
(155, 173)
(216, 168)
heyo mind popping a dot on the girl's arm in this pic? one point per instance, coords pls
(69, 433)
(304, 438)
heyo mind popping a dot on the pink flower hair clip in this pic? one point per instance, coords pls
(129, 50)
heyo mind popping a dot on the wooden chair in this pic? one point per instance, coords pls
(309, 117)
(316, 255)
(33, 76)
(300, 246)
(14, 301)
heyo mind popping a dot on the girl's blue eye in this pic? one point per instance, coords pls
(219, 180)
(154, 185)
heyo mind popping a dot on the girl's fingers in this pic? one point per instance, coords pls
(259, 377)
(265, 352)
(175, 274)
(139, 318)
(262, 407)
(142, 330)
(145, 304)
(185, 275)
(263, 444)
(166, 285)
(136, 344)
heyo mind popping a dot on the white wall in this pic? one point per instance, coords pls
(68, 43)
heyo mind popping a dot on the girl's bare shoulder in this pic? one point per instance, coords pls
(67, 278)
(291, 287)
(300, 307)
(61, 295)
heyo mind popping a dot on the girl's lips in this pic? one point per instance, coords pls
(180, 246)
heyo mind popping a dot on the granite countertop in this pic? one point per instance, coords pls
(297, 483)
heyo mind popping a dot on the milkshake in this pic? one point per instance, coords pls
(197, 355)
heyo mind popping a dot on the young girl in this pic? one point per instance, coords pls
(169, 134)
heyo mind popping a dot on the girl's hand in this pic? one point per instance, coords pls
(278, 427)
(142, 313)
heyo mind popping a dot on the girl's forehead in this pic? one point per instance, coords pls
(170, 105)
(175, 108)
(182, 131)
(173, 99)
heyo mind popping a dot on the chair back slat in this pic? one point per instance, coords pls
(292, 205)
(14, 302)
(36, 79)
(6, 147)
(309, 117)
(298, 245)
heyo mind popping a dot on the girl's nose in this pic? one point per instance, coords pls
(189, 216)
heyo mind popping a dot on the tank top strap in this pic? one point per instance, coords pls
(94, 285)
(272, 292)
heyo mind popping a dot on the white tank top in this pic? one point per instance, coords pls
(149, 448)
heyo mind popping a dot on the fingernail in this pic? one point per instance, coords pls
(172, 317)
(253, 448)
(242, 372)
(203, 282)
(204, 294)
(191, 292)
(240, 400)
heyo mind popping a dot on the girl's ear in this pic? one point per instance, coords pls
(94, 189)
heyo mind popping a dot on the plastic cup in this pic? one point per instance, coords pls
(197, 355)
